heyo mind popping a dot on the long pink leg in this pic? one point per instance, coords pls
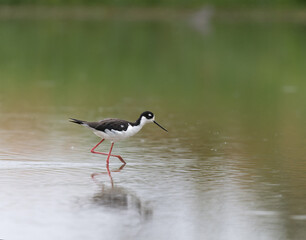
(93, 149)
(109, 154)
(118, 156)
(108, 171)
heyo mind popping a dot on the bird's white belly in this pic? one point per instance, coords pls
(115, 135)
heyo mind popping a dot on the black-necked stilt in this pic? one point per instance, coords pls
(116, 129)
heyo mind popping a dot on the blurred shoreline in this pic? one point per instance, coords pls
(292, 15)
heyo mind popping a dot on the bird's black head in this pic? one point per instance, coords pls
(148, 115)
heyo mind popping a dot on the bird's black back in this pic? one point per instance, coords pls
(110, 124)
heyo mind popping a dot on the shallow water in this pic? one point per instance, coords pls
(231, 167)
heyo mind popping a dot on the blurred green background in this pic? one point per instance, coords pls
(226, 78)
(173, 3)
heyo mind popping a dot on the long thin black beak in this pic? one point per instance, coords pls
(160, 126)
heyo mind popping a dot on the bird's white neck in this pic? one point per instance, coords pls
(144, 121)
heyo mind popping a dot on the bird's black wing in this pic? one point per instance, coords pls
(110, 124)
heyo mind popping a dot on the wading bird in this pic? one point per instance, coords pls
(116, 129)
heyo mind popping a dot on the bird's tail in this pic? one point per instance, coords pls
(76, 121)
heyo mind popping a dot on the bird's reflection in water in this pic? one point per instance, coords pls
(116, 197)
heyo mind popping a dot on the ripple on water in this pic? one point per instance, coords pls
(298, 217)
